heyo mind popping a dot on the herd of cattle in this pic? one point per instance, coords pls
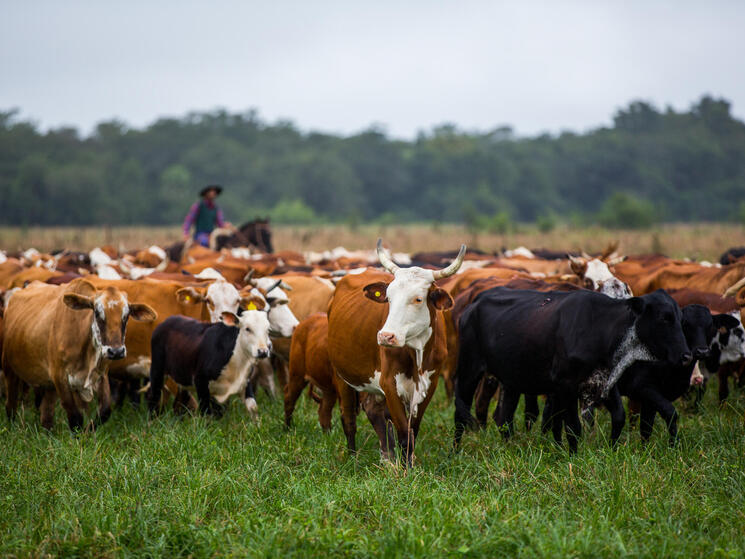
(373, 331)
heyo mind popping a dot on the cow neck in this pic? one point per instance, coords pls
(85, 386)
(629, 350)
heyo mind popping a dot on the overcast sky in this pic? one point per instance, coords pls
(342, 66)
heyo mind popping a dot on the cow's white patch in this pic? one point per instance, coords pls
(210, 273)
(99, 258)
(604, 281)
(251, 407)
(108, 273)
(372, 386)
(629, 351)
(140, 368)
(3, 256)
(157, 251)
(408, 312)
(232, 379)
(734, 350)
(282, 321)
(412, 393)
(696, 376)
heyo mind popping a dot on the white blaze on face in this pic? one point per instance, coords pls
(281, 319)
(604, 281)
(222, 296)
(408, 321)
(253, 337)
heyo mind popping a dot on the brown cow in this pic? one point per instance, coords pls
(387, 337)
(309, 362)
(60, 340)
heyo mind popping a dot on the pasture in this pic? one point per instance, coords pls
(202, 487)
(704, 241)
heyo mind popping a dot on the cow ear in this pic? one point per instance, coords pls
(724, 322)
(142, 312)
(252, 303)
(77, 302)
(440, 299)
(229, 318)
(189, 295)
(376, 291)
(578, 265)
(636, 304)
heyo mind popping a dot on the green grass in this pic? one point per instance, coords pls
(202, 487)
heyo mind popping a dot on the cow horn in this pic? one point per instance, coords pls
(385, 260)
(450, 270)
(248, 278)
(734, 288)
(276, 284)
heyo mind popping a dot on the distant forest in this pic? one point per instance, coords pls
(650, 166)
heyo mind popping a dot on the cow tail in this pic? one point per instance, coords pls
(468, 372)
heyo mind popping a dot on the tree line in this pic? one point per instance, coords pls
(651, 165)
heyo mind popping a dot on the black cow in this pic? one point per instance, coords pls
(569, 344)
(214, 357)
(656, 385)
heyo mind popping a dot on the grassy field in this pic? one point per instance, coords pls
(698, 241)
(202, 488)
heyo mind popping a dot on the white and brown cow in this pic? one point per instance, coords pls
(387, 337)
(60, 340)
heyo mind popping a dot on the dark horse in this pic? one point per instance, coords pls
(255, 234)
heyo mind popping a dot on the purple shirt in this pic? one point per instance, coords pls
(194, 210)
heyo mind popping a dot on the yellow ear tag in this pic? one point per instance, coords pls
(251, 307)
(377, 293)
(187, 298)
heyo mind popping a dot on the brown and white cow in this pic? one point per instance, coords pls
(60, 340)
(387, 337)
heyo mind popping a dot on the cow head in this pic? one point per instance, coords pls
(412, 300)
(282, 321)
(253, 334)
(597, 276)
(698, 329)
(220, 296)
(111, 311)
(728, 343)
(658, 326)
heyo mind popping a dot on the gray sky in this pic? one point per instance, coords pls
(341, 66)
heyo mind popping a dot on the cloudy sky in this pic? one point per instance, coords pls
(342, 66)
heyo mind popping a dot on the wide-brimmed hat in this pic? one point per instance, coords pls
(209, 187)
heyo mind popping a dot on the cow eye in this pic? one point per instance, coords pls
(248, 329)
(271, 300)
(418, 300)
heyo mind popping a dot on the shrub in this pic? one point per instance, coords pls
(624, 210)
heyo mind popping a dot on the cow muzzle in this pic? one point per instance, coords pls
(389, 339)
(701, 352)
(262, 353)
(115, 353)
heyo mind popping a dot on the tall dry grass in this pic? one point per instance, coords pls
(703, 241)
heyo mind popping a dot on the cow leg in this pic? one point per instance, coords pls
(69, 404)
(46, 407)
(634, 411)
(723, 374)
(249, 399)
(12, 386)
(376, 412)
(484, 394)
(468, 374)
(647, 420)
(206, 406)
(264, 377)
(326, 408)
(614, 404)
(280, 366)
(157, 377)
(666, 410)
(348, 403)
(104, 402)
(38, 395)
(133, 391)
(567, 403)
(181, 402)
(294, 387)
(404, 433)
(508, 400)
(531, 410)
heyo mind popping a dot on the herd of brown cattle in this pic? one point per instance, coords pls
(372, 331)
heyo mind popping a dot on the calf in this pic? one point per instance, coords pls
(562, 343)
(215, 358)
(655, 385)
(60, 340)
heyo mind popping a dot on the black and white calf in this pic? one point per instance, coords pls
(215, 358)
(656, 385)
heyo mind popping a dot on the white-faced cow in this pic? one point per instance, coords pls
(387, 337)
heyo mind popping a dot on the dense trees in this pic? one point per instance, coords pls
(651, 165)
